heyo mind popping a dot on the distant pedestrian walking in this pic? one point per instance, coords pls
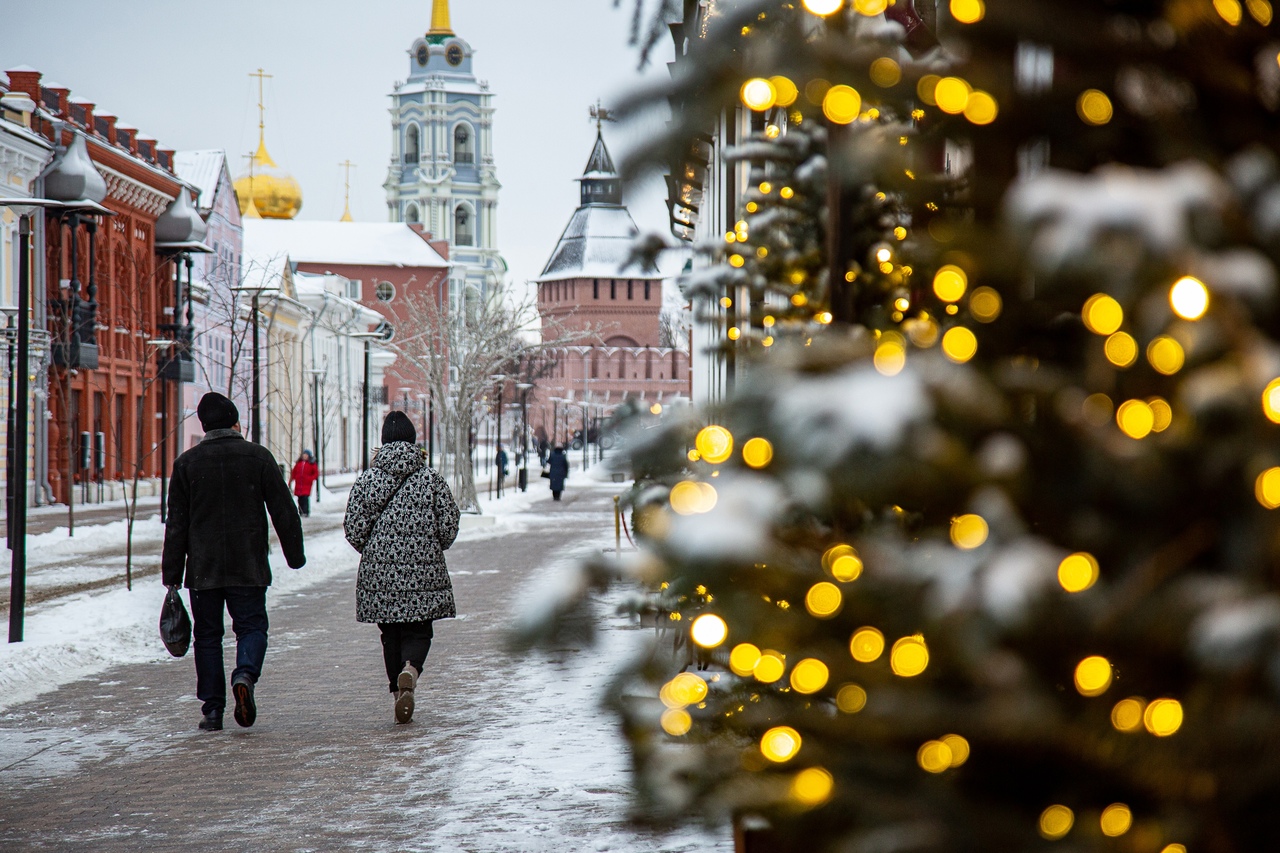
(303, 477)
(216, 538)
(500, 462)
(401, 517)
(559, 465)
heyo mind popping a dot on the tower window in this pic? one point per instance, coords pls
(462, 231)
(646, 291)
(613, 289)
(411, 215)
(629, 290)
(463, 152)
(411, 147)
(595, 288)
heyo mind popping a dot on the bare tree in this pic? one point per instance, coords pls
(456, 354)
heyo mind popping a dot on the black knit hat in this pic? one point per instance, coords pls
(398, 427)
(217, 412)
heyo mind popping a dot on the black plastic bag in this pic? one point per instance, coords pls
(175, 624)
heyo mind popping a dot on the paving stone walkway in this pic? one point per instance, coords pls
(504, 753)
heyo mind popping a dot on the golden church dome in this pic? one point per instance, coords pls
(274, 193)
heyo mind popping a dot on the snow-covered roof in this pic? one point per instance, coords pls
(596, 244)
(319, 288)
(389, 244)
(201, 169)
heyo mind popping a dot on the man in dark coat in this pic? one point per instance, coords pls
(559, 465)
(216, 538)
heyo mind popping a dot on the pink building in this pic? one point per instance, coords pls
(591, 283)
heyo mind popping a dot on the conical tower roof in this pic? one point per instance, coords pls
(600, 163)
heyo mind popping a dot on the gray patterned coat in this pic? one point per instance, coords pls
(401, 517)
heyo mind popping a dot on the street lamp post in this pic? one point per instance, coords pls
(368, 338)
(256, 399)
(315, 375)
(524, 387)
(500, 379)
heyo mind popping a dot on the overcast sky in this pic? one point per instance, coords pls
(178, 71)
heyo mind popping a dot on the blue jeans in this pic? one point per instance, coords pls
(248, 608)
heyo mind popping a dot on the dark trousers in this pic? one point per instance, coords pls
(404, 642)
(304, 504)
(248, 608)
(555, 496)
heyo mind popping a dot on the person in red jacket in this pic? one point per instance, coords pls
(305, 473)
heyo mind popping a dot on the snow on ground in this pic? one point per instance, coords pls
(76, 636)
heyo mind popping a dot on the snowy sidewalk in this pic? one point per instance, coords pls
(504, 754)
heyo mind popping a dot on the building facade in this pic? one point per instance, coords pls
(607, 308)
(442, 174)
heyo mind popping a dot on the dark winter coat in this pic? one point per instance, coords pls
(401, 517)
(216, 533)
(559, 466)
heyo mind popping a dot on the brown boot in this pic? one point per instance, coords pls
(406, 681)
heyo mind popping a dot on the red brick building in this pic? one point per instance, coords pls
(131, 284)
(386, 261)
(590, 283)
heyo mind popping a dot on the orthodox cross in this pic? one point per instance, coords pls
(261, 76)
(347, 165)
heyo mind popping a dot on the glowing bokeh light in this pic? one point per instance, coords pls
(1102, 315)
(785, 91)
(769, 668)
(809, 676)
(890, 356)
(909, 657)
(1165, 355)
(743, 659)
(1094, 107)
(959, 749)
(1116, 820)
(676, 721)
(758, 94)
(885, 72)
(866, 645)
(1261, 11)
(1121, 349)
(757, 452)
(689, 497)
(1230, 11)
(968, 11)
(934, 756)
(1056, 822)
(981, 108)
(1126, 715)
(709, 630)
(925, 87)
(1161, 412)
(851, 698)
(715, 443)
(1135, 418)
(968, 531)
(846, 568)
(959, 344)
(780, 743)
(952, 95)
(1271, 401)
(841, 104)
(870, 7)
(1163, 717)
(812, 786)
(823, 600)
(985, 304)
(1077, 572)
(1267, 488)
(1093, 675)
(823, 7)
(1189, 298)
(949, 283)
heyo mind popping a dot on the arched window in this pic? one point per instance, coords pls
(463, 232)
(463, 146)
(386, 291)
(411, 213)
(411, 146)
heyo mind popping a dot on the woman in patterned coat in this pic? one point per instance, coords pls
(401, 517)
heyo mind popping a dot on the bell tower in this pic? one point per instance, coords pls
(442, 173)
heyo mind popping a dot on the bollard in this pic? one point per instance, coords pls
(617, 528)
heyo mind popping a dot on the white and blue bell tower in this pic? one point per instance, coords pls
(442, 173)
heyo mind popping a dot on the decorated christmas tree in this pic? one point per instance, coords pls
(982, 553)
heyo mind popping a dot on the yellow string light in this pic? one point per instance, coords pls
(1078, 572)
(714, 443)
(959, 344)
(823, 600)
(866, 645)
(968, 531)
(709, 630)
(1165, 355)
(851, 699)
(968, 11)
(812, 786)
(1102, 315)
(758, 94)
(1116, 820)
(757, 452)
(1189, 298)
(1094, 107)
(909, 656)
(1093, 675)
(1126, 715)
(780, 743)
(809, 676)
(1055, 822)
(841, 104)
(743, 659)
(1163, 717)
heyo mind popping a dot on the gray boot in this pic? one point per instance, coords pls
(406, 681)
